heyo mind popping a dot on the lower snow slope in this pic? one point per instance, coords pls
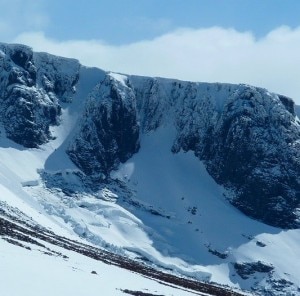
(31, 273)
(196, 223)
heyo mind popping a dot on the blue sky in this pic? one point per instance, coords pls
(238, 41)
(124, 21)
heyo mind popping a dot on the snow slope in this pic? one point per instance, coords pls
(202, 226)
(31, 273)
(172, 213)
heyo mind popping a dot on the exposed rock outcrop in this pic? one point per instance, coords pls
(108, 132)
(29, 105)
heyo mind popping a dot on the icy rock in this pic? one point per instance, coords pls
(28, 108)
(109, 130)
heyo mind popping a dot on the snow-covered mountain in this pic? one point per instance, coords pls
(191, 179)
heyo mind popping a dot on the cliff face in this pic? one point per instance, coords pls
(252, 148)
(248, 138)
(108, 131)
(31, 88)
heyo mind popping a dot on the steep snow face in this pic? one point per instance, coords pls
(186, 216)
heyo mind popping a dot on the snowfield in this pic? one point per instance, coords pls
(34, 273)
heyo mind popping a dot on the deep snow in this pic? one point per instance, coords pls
(31, 273)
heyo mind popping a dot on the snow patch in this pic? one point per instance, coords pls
(119, 77)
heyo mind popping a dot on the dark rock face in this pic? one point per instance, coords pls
(109, 131)
(26, 121)
(58, 76)
(253, 149)
(248, 139)
(244, 270)
(27, 109)
(153, 104)
(288, 103)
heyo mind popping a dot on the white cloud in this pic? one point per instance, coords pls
(212, 54)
